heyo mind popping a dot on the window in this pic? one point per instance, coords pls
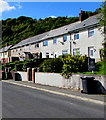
(76, 51)
(64, 38)
(90, 32)
(76, 36)
(91, 52)
(64, 52)
(47, 55)
(54, 40)
(37, 45)
(45, 43)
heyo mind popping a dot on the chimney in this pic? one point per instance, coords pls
(83, 15)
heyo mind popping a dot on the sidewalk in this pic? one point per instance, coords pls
(96, 98)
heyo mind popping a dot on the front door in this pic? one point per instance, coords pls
(91, 52)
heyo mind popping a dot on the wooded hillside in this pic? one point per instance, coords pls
(15, 30)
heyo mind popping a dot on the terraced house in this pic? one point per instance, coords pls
(82, 37)
(5, 54)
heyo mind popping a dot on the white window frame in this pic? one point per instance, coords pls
(45, 43)
(64, 52)
(76, 51)
(76, 36)
(90, 32)
(64, 38)
(90, 51)
(54, 40)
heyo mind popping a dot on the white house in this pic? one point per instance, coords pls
(82, 37)
(5, 53)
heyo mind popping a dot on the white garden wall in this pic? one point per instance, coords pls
(55, 79)
(23, 75)
(51, 79)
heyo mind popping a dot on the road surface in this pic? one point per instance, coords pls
(21, 102)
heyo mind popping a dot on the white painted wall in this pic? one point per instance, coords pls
(51, 79)
(55, 79)
(84, 42)
(23, 75)
(55, 48)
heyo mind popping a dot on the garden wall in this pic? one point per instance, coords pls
(55, 79)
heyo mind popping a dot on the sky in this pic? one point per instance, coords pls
(44, 9)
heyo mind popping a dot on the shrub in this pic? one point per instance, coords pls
(52, 65)
(74, 64)
(32, 63)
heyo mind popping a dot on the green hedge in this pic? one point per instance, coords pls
(52, 65)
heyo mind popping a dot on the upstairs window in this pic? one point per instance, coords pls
(64, 38)
(37, 45)
(45, 43)
(90, 32)
(54, 40)
(76, 36)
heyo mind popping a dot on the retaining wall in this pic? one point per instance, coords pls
(55, 79)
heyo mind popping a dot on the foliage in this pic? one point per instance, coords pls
(15, 30)
(100, 69)
(32, 63)
(74, 64)
(52, 65)
(18, 29)
(102, 24)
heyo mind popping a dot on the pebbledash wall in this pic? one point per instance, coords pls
(55, 79)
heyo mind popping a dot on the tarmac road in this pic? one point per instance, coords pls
(21, 102)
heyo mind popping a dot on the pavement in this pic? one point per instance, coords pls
(94, 98)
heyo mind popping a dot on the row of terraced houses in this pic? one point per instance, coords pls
(82, 37)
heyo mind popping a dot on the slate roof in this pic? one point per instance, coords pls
(46, 35)
(30, 40)
(91, 21)
(4, 49)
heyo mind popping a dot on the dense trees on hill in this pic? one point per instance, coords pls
(17, 29)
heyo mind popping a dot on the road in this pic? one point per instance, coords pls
(21, 102)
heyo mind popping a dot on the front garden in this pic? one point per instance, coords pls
(65, 65)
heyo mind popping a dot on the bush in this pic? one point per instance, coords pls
(74, 64)
(52, 65)
(32, 63)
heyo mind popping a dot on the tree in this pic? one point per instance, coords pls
(102, 23)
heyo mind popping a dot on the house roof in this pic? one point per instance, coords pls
(30, 40)
(46, 35)
(4, 49)
(91, 21)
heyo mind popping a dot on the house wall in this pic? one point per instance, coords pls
(57, 48)
(84, 42)
(4, 56)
